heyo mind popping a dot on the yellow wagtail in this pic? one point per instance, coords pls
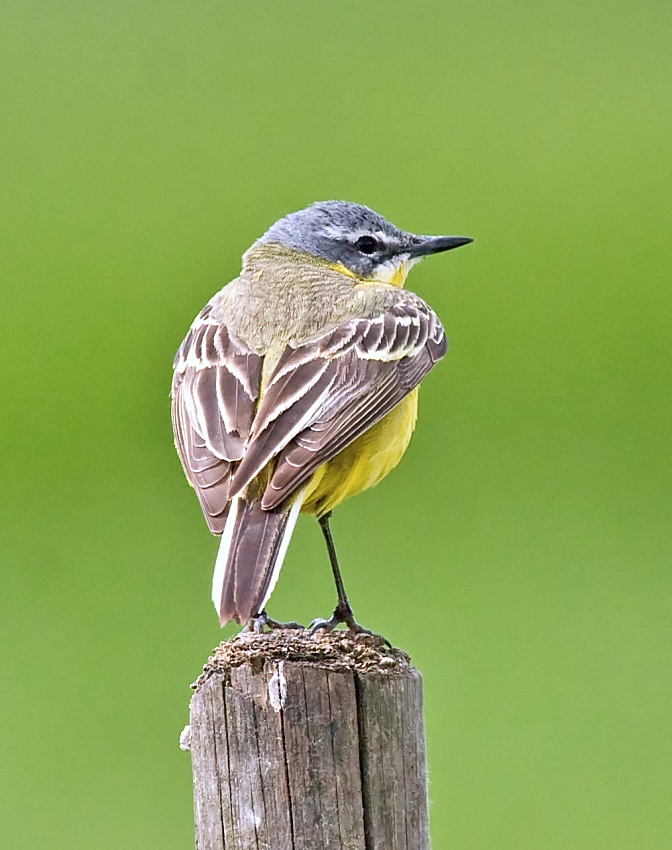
(296, 387)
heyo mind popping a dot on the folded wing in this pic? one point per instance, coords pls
(328, 391)
(214, 396)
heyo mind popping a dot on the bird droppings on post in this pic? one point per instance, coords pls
(185, 738)
(277, 688)
(337, 650)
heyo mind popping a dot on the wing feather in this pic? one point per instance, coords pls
(282, 421)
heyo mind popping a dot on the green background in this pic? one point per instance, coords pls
(520, 553)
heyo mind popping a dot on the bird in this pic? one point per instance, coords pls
(296, 387)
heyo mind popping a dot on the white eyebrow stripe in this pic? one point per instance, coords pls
(336, 232)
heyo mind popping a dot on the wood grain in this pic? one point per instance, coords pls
(297, 749)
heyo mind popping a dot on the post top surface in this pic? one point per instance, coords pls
(337, 650)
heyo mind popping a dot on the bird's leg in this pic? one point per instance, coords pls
(342, 611)
(257, 623)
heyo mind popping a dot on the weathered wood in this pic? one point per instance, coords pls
(301, 742)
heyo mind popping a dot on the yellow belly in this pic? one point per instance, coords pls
(365, 462)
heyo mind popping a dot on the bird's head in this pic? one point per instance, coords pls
(356, 241)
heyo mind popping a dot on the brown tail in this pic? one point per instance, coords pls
(251, 553)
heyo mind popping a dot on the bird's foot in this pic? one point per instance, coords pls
(342, 614)
(258, 622)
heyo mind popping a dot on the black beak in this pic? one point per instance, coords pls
(426, 245)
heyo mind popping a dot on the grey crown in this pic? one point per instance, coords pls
(331, 229)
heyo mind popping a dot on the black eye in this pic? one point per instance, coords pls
(366, 244)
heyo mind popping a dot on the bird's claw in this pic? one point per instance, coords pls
(258, 622)
(342, 614)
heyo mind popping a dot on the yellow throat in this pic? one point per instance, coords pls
(394, 272)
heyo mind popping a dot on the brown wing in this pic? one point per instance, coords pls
(214, 394)
(327, 392)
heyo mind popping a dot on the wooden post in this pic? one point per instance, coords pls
(303, 742)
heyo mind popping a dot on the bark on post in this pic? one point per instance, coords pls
(300, 743)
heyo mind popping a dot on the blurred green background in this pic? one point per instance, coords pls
(520, 553)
